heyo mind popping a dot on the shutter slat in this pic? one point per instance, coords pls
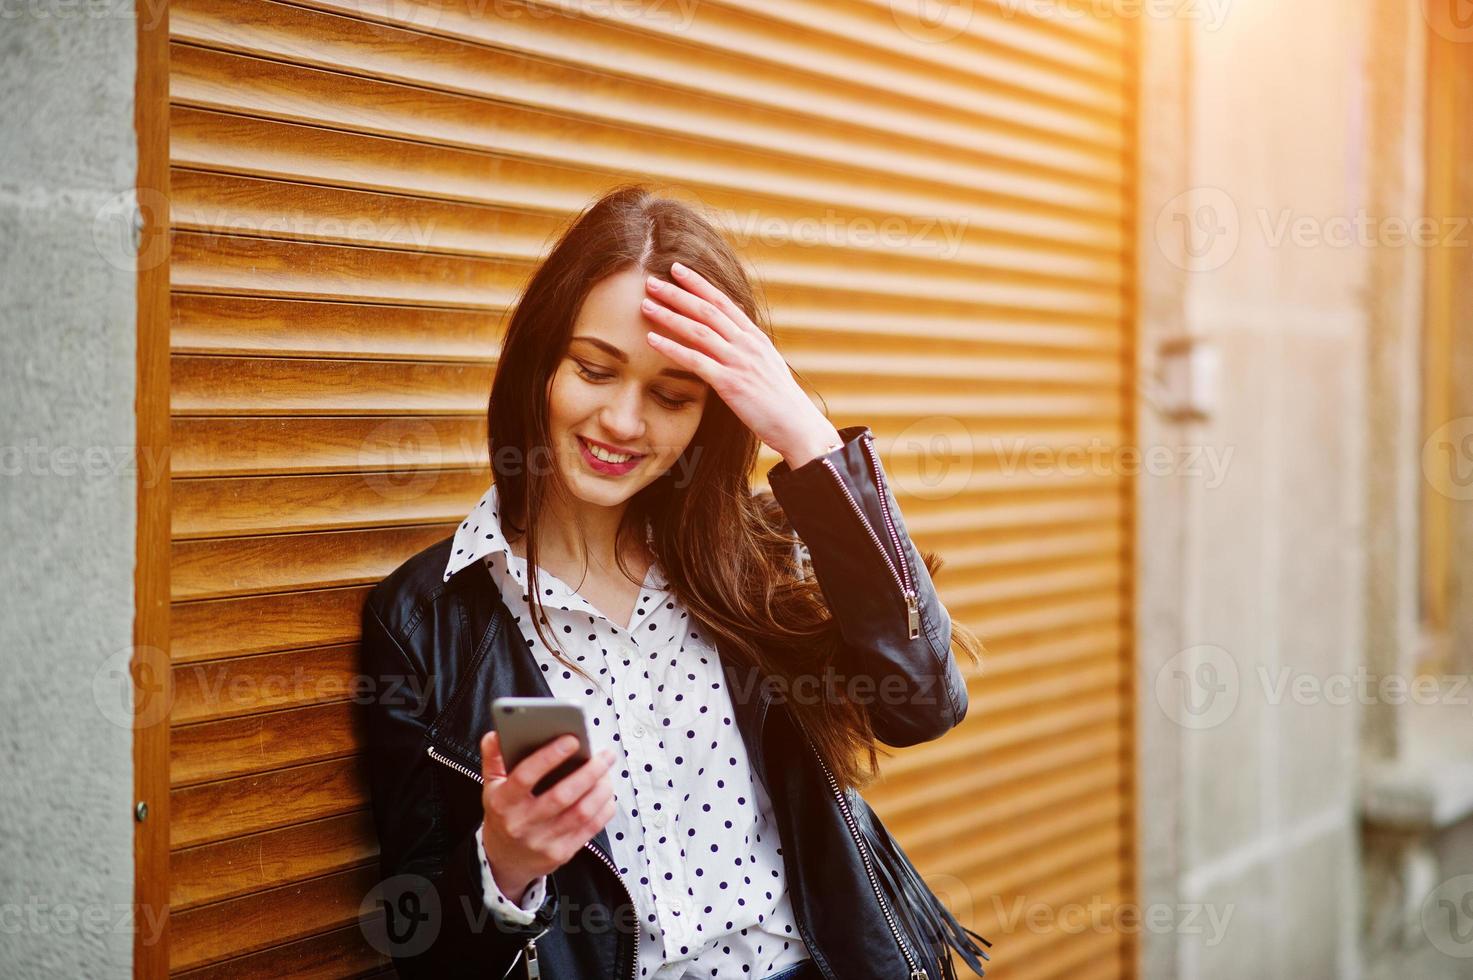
(221, 568)
(230, 808)
(211, 630)
(263, 742)
(229, 869)
(254, 922)
(335, 955)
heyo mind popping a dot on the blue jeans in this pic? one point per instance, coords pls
(798, 971)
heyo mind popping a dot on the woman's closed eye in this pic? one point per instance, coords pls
(597, 377)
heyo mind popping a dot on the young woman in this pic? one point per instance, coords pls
(621, 559)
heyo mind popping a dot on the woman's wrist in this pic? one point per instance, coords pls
(513, 886)
(810, 444)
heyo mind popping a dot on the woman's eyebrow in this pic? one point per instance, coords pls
(623, 358)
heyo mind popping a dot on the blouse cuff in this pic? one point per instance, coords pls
(497, 902)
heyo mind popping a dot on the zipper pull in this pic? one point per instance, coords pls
(533, 970)
(919, 973)
(913, 613)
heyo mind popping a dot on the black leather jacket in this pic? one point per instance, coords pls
(449, 648)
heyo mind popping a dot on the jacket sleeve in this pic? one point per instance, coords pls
(435, 920)
(896, 632)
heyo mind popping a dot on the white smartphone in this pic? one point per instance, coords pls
(526, 724)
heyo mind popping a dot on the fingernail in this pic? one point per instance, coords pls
(568, 744)
(655, 283)
(649, 304)
(678, 269)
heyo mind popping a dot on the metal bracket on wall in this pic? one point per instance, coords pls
(1184, 385)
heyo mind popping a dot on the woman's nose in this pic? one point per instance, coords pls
(623, 416)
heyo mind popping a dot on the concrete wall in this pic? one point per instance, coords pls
(67, 378)
(1267, 581)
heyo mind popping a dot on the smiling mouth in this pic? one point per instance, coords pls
(606, 460)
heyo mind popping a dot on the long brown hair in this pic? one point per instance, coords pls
(727, 553)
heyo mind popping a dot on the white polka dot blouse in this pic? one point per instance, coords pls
(693, 834)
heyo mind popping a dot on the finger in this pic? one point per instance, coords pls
(698, 284)
(546, 758)
(690, 359)
(584, 811)
(571, 788)
(691, 331)
(492, 765)
(697, 308)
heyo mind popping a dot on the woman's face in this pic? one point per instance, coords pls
(613, 394)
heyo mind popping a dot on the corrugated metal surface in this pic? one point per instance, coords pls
(360, 187)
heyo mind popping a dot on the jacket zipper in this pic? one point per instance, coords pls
(902, 574)
(530, 949)
(917, 972)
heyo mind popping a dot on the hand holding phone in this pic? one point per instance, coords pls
(544, 796)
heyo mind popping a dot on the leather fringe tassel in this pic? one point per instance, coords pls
(920, 912)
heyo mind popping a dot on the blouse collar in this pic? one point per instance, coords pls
(480, 536)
